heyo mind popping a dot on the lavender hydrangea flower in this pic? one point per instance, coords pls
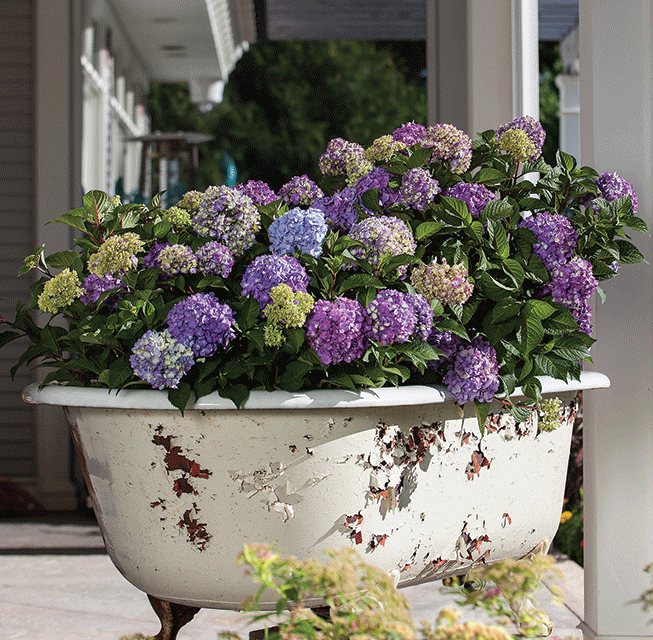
(260, 192)
(202, 323)
(473, 373)
(214, 259)
(177, 259)
(298, 229)
(556, 238)
(475, 196)
(339, 209)
(393, 317)
(268, 271)
(228, 216)
(410, 133)
(160, 360)
(522, 137)
(449, 284)
(382, 237)
(612, 186)
(152, 257)
(418, 188)
(423, 315)
(378, 179)
(447, 341)
(337, 330)
(300, 190)
(451, 147)
(94, 286)
(572, 283)
(332, 162)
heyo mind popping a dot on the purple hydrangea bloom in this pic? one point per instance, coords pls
(337, 330)
(556, 238)
(612, 186)
(94, 286)
(300, 190)
(332, 161)
(410, 133)
(214, 259)
(424, 316)
(418, 188)
(451, 147)
(572, 283)
(267, 271)
(202, 323)
(229, 216)
(475, 196)
(260, 192)
(152, 258)
(339, 209)
(393, 317)
(447, 341)
(473, 373)
(378, 178)
(160, 360)
(382, 237)
(298, 229)
(533, 130)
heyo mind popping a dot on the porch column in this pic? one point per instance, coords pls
(616, 135)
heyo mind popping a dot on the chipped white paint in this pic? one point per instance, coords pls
(412, 485)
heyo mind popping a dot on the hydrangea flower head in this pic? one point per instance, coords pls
(522, 137)
(269, 270)
(176, 216)
(117, 253)
(202, 323)
(447, 341)
(300, 190)
(332, 162)
(339, 209)
(424, 316)
(556, 238)
(447, 283)
(191, 200)
(300, 230)
(379, 179)
(473, 373)
(418, 188)
(288, 307)
(410, 133)
(260, 192)
(214, 259)
(451, 147)
(393, 317)
(383, 148)
(160, 360)
(612, 186)
(356, 163)
(176, 259)
(94, 286)
(382, 237)
(337, 330)
(228, 216)
(152, 257)
(60, 292)
(475, 196)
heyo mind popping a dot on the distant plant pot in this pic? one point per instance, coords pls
(401, 474)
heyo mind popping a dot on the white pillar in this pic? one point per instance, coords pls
(569, 114)
(616, 135)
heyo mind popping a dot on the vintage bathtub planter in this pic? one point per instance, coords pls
(401, 474)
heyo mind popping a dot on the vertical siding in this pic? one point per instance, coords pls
(17, 426)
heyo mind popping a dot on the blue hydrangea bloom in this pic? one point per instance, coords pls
(298, 230)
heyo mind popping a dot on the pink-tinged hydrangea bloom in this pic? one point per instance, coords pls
(202, 323)
(410, 133)
(228, 216)
(339, 209)
(451, 147)
(94, 286)
(556, 238)
(526, 147)
(572, 283)
(447, 283)
(418, 188)
(337, 330)
(177, 259)
(267, 271)
(382, 237)
(300, 230)
(612, 186)
(475, 196)
(260, 192)
(160, 360)
(214, 259)
(473, 373)
(300, 191)
(393, 317)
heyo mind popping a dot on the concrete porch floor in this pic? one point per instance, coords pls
(57, 583)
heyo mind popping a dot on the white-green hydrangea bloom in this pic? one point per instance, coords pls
(517, 143)
(176, 216)
(288, 307)
(550, 414)
(60, 292)
(117, 253)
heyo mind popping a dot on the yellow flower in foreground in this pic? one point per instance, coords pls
(564, 516)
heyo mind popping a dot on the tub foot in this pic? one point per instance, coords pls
(172, 616)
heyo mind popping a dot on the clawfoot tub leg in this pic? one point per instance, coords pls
(172, 616)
